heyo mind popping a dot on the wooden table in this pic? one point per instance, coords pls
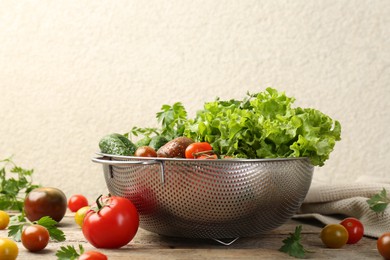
(147, 245)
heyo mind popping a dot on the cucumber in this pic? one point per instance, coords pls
(157, 141)
(117, 144)
(143, 142)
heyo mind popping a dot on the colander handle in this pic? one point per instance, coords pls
(102, 160)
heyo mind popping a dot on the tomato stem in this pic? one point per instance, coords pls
(208, 152)
(99, 205)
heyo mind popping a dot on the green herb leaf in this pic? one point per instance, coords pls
(292, 244)
(69, 252)
(15, 183)
(379, 202)
(172, 119)
(15, 231)
(18, 222)
(50, 225)
(15, 228)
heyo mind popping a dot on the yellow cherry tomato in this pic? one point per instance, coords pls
(80, 214)
(8, 249)
(4, 220)
(334, 235)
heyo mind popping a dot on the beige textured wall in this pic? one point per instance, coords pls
(73, 71)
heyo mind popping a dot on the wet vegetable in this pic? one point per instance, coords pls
(117, 144)
(175, 148)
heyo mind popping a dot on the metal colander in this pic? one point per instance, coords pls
(209, 198)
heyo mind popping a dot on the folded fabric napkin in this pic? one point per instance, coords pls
(331, 203)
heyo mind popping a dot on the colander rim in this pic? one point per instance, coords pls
(243, 160)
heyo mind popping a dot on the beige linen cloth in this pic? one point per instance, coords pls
(331, 203)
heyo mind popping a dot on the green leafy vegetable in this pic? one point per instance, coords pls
(265, 125)
(69, 252)
(292, 244)
(262, 125)
(117, 144)
(379, 202)
(50, 225)
(138, 131)
(173, 119)
(18, 222)
(15, 228)
(15, 183)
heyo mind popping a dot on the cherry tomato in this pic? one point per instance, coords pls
(355, 229)
(76, 202)
(35, 238)
(334, 235)
(383, 245)
(113, 224)
(80, 214)
(92, 255)
(145, 151)
(8, 249)
(193, 150)
(4, 220)
(45, 201)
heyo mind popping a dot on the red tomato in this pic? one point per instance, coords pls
(76, 202)
(355, 229)
(383, 245)
(45, 201)
(92, 255)
(193, 150)
(35, 238)
(114, 223)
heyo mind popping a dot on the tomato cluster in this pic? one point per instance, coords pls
(348, 231)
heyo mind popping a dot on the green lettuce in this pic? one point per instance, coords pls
(264, 125)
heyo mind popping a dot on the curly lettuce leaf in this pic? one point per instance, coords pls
(265, 125)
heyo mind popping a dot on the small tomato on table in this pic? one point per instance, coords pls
(35, 237)
(45, 201)
(355, 229)
(383, 245)
(8, 249)
(4, 219)
(111, 223)
(76, 202)
(92, 255)
(334, 235)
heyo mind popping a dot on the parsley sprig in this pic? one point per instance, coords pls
(18, 222)
(172, 120)
(379, 201)
(15, 182)
(292, 244)
(69, 252)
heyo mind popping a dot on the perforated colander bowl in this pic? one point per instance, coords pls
(209, 198)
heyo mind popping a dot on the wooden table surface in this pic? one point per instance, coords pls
(147, 245)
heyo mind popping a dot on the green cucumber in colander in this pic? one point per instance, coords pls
(117, 144)
(143, 142)
(157, 141)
